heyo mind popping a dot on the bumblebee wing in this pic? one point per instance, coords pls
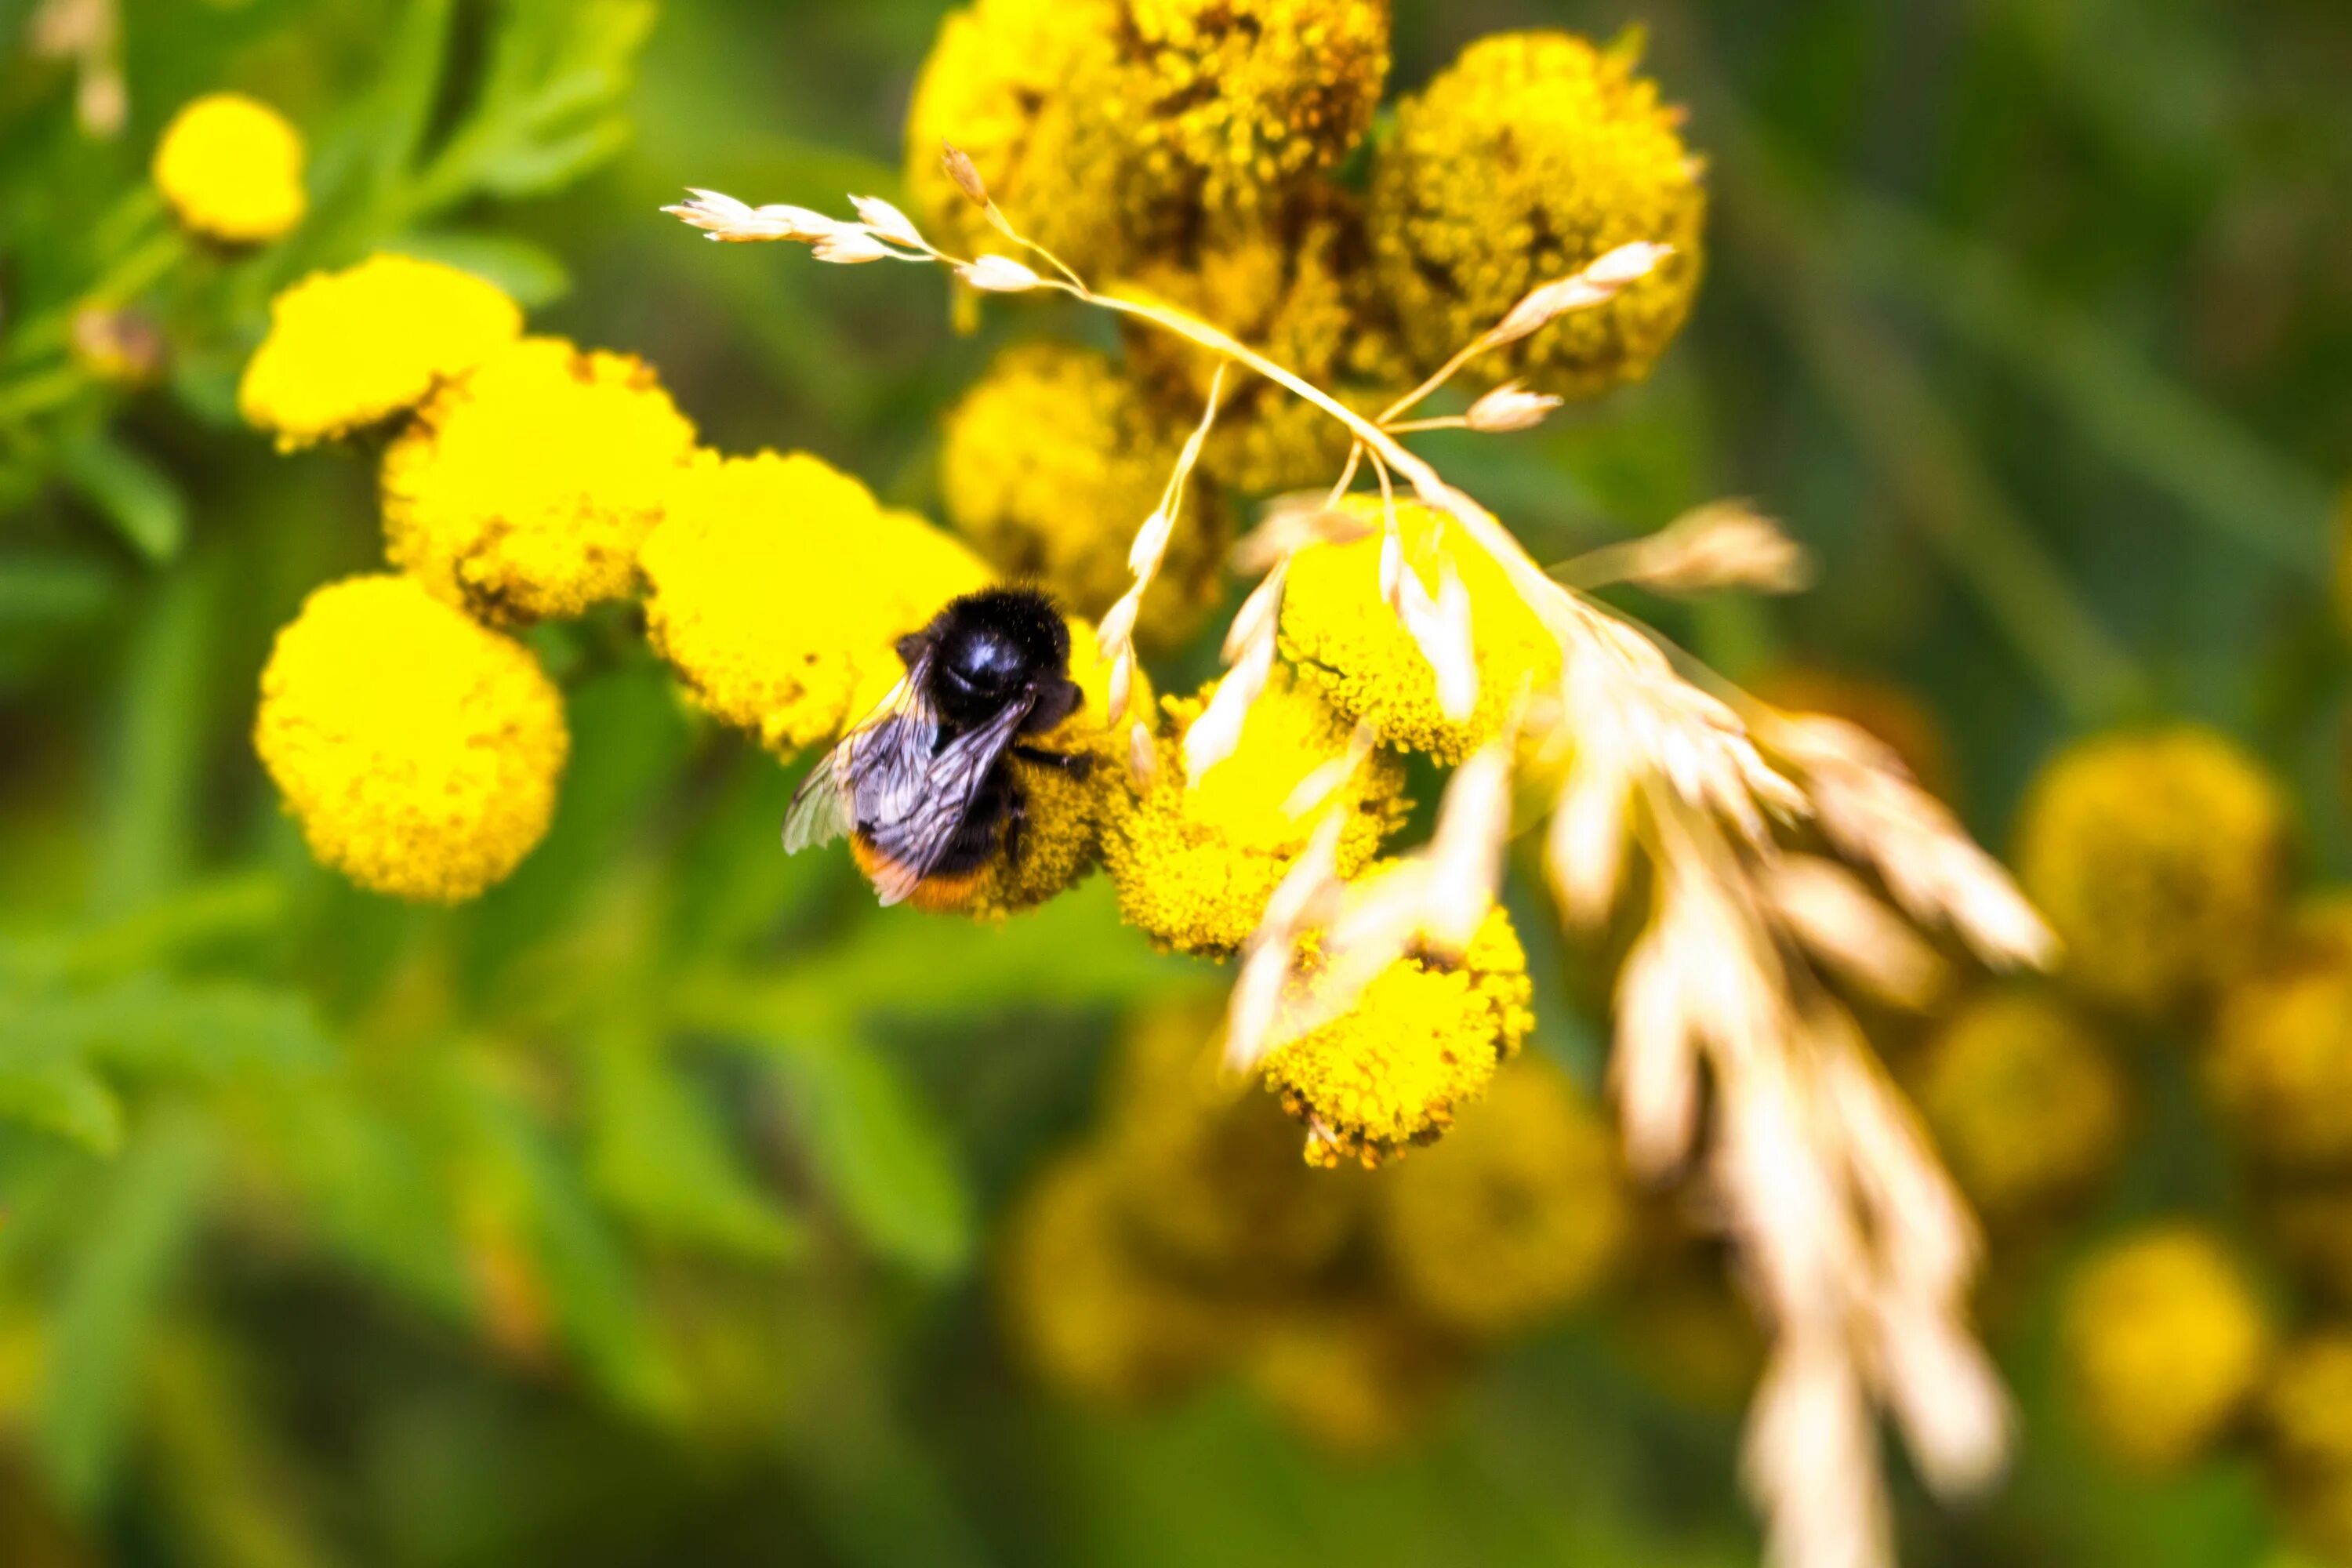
(819, 814)
(875, 771)
(911, 844)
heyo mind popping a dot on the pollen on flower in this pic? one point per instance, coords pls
(1196, 866)
(1518, 1213)
(1346, 641)
(419, 752)
(2160, 858)
(1050, 466)
(351, 348)
(231, 168)
(1533, 155)
(1423, 1040)
(525, 487)
(775, 588)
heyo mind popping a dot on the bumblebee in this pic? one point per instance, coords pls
(927, 785)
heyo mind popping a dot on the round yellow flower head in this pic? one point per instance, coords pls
(775, 587)
(232, 169)
(2158, 857)
(1194, 866)
(2164, 1342)
(1020, 87)
(1299, 290)
(2025, 1103)
(1353, 1376)
(1211, 1169)
(419, 752)
(1517, 1214)
(1422, 1042)
(1087, 1308)
(1533, 155)
(524, 489)
(1346, 641)
(351, 348)
(2306, 1426)
(2281, 1066)
(1051, 465)
(1229, 100)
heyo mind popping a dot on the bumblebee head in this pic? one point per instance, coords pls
(990, 647)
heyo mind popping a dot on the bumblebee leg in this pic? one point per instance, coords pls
(1077, 764)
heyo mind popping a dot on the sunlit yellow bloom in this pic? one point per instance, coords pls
(1354, 1376)
(2025, 1103)
(2159, 860)
(2164, 1342)
(2306, 1429)
(1194, 866)
(1021, 86)
(1532, 155)
(524, 489)
(1300, 291)
(1517, 1214)
(419, 752)
(1422, 1041)
(2281, 1065)
(349, 348)
(1209, 1168)
(1235, 98)
(1051, 465)
(232, 169)
(1089, 1312)
(1344, 638)
(775, 587)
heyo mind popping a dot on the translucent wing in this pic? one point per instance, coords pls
(912, 843)
(876, 771)
(819, 814)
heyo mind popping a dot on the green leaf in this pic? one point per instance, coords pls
(143, 1227)
(530, 274)
(159, 746)
(60, 1096)
(367, 1179)
(129, 490)
(659, 1158)
(879, 1152)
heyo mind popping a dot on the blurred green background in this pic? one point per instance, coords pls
(639, 1211)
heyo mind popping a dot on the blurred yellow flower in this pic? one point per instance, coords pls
(1422, 1041)
(231, 168)
(1531, 155)
(1051, 464)
(351, 348)
(1357, 1377)
(2160, 858)
(2164, 1342)
(1518, 1213)
(419, 752)
(525, 487)
(2025, 1102)
(1346, 641)
(2306, 1429)
(1196, 866)
(2281, 1063)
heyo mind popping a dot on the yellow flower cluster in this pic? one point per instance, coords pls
(2165, 1344)
(1050, 466)
(1186, 1237)
(351, 348)
(524, 487)
(1532, 155)
(2281, 1061)
(1196, 866)
(419, 752)
(231, 168)
(1423, 1040)
(2160, 858)
(2306, 1431)
(2025, 1102)
(1344, 639)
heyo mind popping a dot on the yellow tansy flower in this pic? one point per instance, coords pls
(2164, 1342)
(1518, 1213)
(231, 168)
(524, 489)
(1530, 156)
(2160, 858)
(2281, 1065)
(1347, 643)
(1422, 1041)
(1194, 866)
(419, 752)
(1050, 466)
(2025, 1102)
(349, 348)
(1357, 1377)
(2307, 1427)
